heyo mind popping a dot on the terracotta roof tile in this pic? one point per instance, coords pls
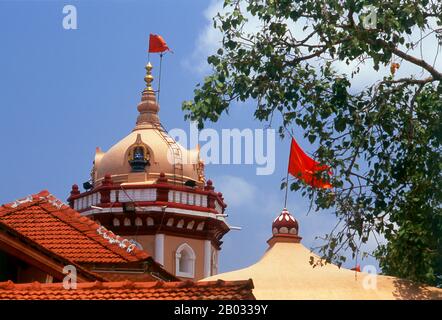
(118, 276)
(127, 290)
(55, 226)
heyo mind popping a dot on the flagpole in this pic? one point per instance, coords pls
(286, 187)
(159, 77)
(287, 176)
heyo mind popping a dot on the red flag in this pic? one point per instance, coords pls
(303, 167)
(157, 44)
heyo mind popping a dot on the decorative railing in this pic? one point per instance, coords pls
(190, 198)
(115, 195)
(87, 201)
(129, 195)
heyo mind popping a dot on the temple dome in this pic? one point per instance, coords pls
(116, 163)
(285, 223)
(148, 150)
(285, 272)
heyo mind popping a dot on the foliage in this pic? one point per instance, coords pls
(383, 141)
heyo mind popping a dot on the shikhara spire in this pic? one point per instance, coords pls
(148, 78)
(148, 107)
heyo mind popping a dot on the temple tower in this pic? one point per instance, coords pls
(149, 188)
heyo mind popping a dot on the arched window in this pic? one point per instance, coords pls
(190, 225)
(185, 261)
(150, 221)
(138, 222)
(138, 156)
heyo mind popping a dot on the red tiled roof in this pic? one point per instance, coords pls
(60, 229)
(127, 290)
(45, 256)
(113, 276)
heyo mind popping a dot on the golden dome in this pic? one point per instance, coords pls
(148, 150)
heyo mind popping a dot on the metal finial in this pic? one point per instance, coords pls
(148, 78)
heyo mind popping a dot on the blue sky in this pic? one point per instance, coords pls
(65, 92)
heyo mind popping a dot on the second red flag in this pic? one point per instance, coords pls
(305, 168)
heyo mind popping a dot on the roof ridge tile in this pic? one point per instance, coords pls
(126, 284)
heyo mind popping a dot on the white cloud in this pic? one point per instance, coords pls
(210, 39)
(237, 192)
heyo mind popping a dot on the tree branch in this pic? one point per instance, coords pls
(419, 62)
